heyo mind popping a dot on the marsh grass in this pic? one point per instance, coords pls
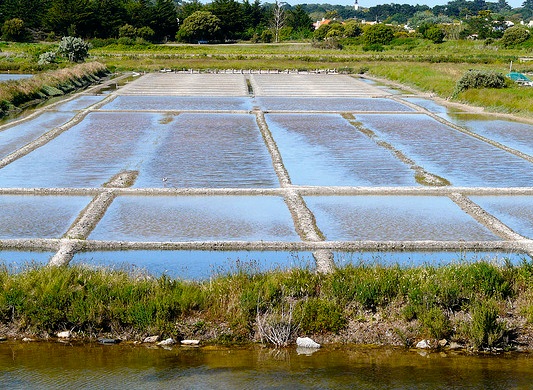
(43, 300)
(16, 93)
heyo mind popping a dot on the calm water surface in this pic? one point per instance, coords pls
(394, 218)
(58, 366)
(323, 149)
(197, 218)
(463, 160)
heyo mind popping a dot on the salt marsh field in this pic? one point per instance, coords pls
(191, 174)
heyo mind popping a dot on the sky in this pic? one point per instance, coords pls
(371, 3)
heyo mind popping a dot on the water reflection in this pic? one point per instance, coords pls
(330, 104)
(197, 218)
(38, 217)
(327, 150)
(195, 265)
(52, 366)
(395, 218)
(463, 160)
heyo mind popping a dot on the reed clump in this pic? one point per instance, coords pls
(475, 304)
(17, 93)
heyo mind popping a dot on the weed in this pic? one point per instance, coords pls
(485, 331)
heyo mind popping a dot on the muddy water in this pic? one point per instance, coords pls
(62, 366)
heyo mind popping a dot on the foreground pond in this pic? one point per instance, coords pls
(54, 365)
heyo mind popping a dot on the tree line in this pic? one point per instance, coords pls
(228, 20)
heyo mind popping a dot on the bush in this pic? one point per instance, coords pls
(47, 58)
(515, 35)
(378, 34)
(145, 33)
(479, 79)
(75, 49)
(127, 31)
(485, 330)
(267, 36)
(14, 30)
(434, 34)
(319, 315)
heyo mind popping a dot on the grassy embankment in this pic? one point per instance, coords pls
(16, 94)
(478, 305)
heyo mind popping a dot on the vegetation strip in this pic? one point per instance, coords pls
(475, 306)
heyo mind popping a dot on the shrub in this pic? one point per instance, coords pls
(127, 31)
(378, 33)
(515, 35)
(320, 315)
(145, 33)
(47, 58)
(14, 30)
(434, 34)
(485, 330)
(435, 322)
(267, 36)
(75, 49)
(479, 79)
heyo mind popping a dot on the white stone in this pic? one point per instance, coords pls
(27, 339)
(151, 339)
(190, 342)
(423, 344)
(167, 342)
(66, 334)
(306, 342)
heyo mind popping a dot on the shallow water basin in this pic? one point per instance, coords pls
(79, 103)
(208, 150)
(332, 104)
(394, 218)
(16, 261)
(513, 134)
(514, 211)
(415, 259)
(325, 149)
(88, 154)
(38, 216)
(442, 150)
(179, 103)
(197, 218)
(15, 137)
(194, 265)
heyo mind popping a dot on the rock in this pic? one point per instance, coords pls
(423, 344)
(109, 341)
(166, 342)
(190, 342)
(67, 334)
(27, 339)
(454, 345)
(443, 342)
(151, 339)
(306, 342)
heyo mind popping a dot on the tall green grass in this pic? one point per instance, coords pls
(43, 300)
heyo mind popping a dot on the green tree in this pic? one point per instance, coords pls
(201, 25)
(108, 15)
(352, 28)
(231, 17)
(14, 30)
(165, 20)
(31, 11)
(68, 16)
(127, 31)
(515, 35)
(435, 34)
(186, 9)
(298, 19)
(378, 34)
